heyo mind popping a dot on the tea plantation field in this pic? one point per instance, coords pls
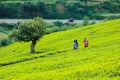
(55, 58)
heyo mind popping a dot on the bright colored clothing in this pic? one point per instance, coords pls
(75, 44)
(85, 43)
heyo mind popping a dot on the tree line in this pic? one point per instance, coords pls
(61, 9)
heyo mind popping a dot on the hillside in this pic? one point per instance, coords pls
(56, 60)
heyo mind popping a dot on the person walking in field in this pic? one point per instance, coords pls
(75, 44)
(85, 42)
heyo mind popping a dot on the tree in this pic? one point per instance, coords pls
(30, 31)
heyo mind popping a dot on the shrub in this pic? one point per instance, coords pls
(47, 30)
(58, 23)
(105, 19)
(85, 21)
(69, 24)
(50, 25)
(55, 29)
(93, 21)
(5, 41)
(6, 28)
(7, 25)
(65, 28)
(13, 35)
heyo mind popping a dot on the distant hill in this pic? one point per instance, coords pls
(56, 60)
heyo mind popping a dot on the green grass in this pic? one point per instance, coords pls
(56, 60)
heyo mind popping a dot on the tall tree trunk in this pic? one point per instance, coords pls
(33, 46)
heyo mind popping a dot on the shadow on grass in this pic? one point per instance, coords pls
(42, 51)
(33, 57)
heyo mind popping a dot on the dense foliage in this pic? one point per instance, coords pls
(59, 9)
